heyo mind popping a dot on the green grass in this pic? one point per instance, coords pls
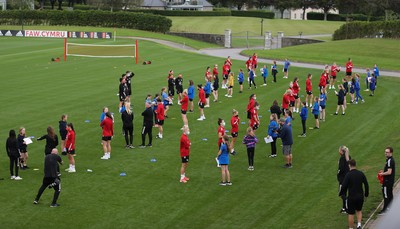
(35, 92)
(364, 53)
(217, 25)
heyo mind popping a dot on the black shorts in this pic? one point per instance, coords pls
(235, 134)
(63, 135)
(353, 205)
(106, 138)
(201, 105)
(316, 116)
(255, 66)
(23, 151)
(179, 90)
(230, 87)
(291, 104)
(207, 95)
(333, 77)
(248, 114)
(349, 73)
(122, 98)
(185, 159)
(255, 127)
(72, 152)
(171, 92)
(191, 100)
(240, 83)
(285, 70)
(183, 112)
(340, 102)
(322, 107)
(215, 86)
(225, 76)
(296, 96)
(309, 92)
(160, 122)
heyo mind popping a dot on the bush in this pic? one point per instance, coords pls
(380, 29)
(253, 13)
(149, 22)
(339, 17)
(184, 12)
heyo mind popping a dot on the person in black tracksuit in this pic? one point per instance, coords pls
(127, 125)
(353, 183)
(13, 154)
(51, 177)
(51, 140)
(147, 125)
(342, 171)
(388, 179)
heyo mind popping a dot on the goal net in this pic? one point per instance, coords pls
(101, 51)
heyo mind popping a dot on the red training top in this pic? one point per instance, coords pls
(185, 145)
(70, 140)
(235, 124)
(285, 101)
(184, 103)
(308, 85)
(221, 132)
(202, 96)
(296, 88)
(108, 127)
(160, 111)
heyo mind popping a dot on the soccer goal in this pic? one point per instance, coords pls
(101, 51)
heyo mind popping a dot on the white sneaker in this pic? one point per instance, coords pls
(105, 157)
(12, 177)
(200, 119)
(218, 165)
(203, 117)
(229, 96)
(207, 106)
(333, 87)
(179, 103)
(330, 87)
(67, 170)
(72, 171)
(265, 84)
(226, 95)
(18, 178)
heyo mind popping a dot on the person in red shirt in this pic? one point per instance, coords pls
(225, 73)
(254, 61)
(291, 98)
(215, 85)
(334, 70)
(322, 81)
(250, 105)
(184, 107)
(309, 90)
(70, 146)
(234, 129)
(228, 60)
(184, 151)
(286, 100)
(108, 131)
(255, 121)
(249, 64)
(202, 102)
(221, 131)
(160, 114)
(296, 89)
(208, 74)
(349, 68)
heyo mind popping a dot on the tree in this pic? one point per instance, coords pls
(283, 5)
(305, 4)
(326, 6)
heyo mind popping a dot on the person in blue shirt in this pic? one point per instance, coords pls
(207, 91)
(372, 85)
(357, 89)
(273, 128)
(304, 115)
(223, 158)
(315, 112)
(288, 118)
(154, 104)
(322, 104)
(274, 71)
(376, 73)
(166, 100)
(367, 79)
(191, 91)
(265, 74)
(240, 80)
(286, 68)
(251, 78)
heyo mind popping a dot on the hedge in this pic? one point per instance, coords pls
(341, 17)
(252, 13)
(149, 22)
(379, 29)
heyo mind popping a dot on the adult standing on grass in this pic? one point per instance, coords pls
(255, 120)
(388, 174)
(127, 125)
(23, 148)
(51, 177)
(147, 126)
(191, 95)
(123, 91)
(286, 66)
(171, 85)
(286, 100)
(51, 140)
(250, 140)
(13, 154)
(179, 87)
(223, 158)
(287, 142)
(62, 126)
(273, 129)
(107, 126)
(202, 102)
(341, 99)
(353, 185)
(342, 171)
(276, 109)
(70, 146)
(309, 90)
(274, 70)
(185, 151)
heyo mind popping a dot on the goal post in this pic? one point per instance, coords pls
(101, 51)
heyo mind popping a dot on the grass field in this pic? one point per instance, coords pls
(364, 53)
(35, 92)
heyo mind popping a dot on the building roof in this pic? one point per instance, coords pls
(153, 3)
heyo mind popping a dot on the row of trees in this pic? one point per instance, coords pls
(367, 7)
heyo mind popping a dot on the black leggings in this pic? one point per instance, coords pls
(55, 184)
(250, 155)
(387, 192)
(273, 146)
(128, 130)
(147, 129)
(14, 162)
(303, 122)
(252, 81)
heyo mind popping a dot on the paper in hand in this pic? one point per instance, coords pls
(27, 141)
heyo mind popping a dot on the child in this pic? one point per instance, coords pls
(166, 100)
(273, 128)
(251, 78)
(309, 90)
(367, 79)
(303, 115)
(191, 95)
(341, 99)
(255, 121)
(372, 85)
(70, 146)
(230, 85)
(322, 104)
(62, 125)
(160, 113)
(288, 118)
(265, 74)
(223, 158)
(315, 112)
(357, 89)
(240, 80)
(207, 91)
(234, 129)
(250, 140)
(22, 147)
